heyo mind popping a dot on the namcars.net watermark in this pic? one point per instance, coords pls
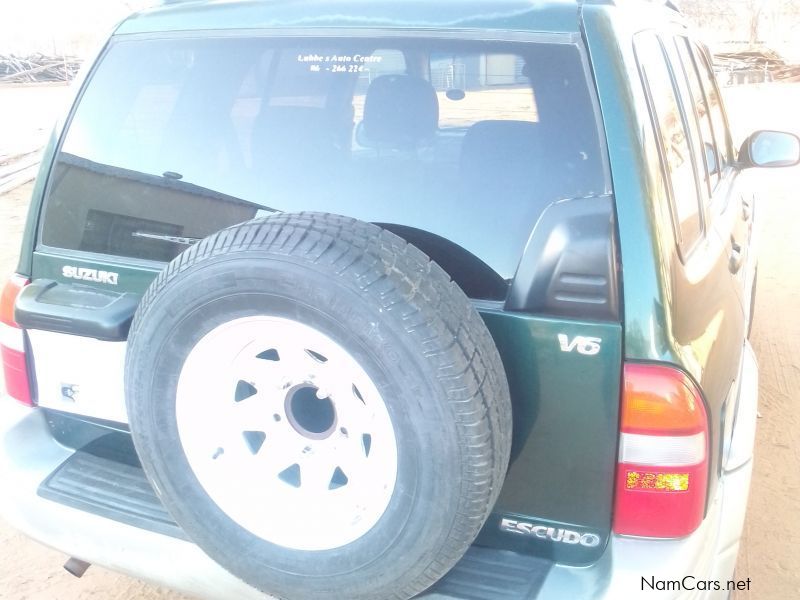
(691, 583)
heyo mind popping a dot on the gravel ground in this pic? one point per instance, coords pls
(770, 553)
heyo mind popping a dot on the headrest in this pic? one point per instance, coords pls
(400, 111)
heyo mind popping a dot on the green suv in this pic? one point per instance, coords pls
(373, 300)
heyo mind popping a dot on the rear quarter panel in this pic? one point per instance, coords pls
(685, 312)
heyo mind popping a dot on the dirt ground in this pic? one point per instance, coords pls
(770, 553)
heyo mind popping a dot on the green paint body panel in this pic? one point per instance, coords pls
(506, 15)
(25, 264)
(558, 396)
(133, 279)
(640, 221)
(681, 310)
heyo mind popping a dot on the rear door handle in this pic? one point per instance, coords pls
(746, 209)
(736, 258)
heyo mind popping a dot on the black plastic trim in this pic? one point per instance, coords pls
(76, 309)
(75, 430)
(105, 478)
(491, 574)
(569, 267)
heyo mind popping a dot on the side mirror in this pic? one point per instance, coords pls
(770, 149)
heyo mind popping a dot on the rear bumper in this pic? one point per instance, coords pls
(28, 454)
(628, 568)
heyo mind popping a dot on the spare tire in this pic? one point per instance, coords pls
(319, 407)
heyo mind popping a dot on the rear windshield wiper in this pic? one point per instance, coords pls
(186, 241)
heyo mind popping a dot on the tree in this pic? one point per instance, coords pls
(753, 21)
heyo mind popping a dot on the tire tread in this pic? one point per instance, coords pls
(422, 299)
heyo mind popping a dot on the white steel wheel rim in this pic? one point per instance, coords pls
(286, 433)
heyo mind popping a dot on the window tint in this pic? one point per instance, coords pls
(687, 113)
(710, 154)
(718, 121)
(672, 133)
(457, 146)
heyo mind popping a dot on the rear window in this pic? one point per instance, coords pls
(456, 146)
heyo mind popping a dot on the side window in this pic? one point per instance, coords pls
(718, 121)
(710, 152)
(673, 137)
(690, 122)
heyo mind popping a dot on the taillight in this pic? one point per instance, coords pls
(662, 473)
(12, 344)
